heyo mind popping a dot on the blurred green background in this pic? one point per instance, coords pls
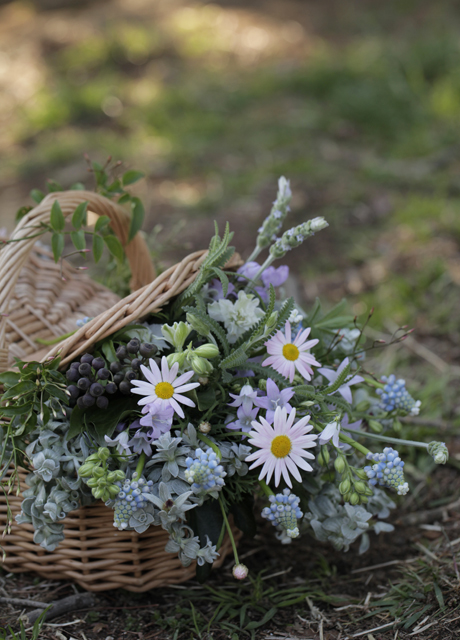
(357, 103)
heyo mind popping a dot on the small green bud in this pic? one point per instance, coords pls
(362, 475)
(345, 486)
(176, 357)
(113, 490)
(198, 325)
(272, 320)
(177, 334)
(86, 470)
(364, 499)
(98, 472)
(200, 365)
(439, 452)
(208, 350)
(375, 426)
(92, 482)
(354, 498)
(262, 384)
(203, 380)
(119, 474)
(324, 456)
(103, 453)
(360, 486)
(363, 406)
(346, 497)
(369, 491)
(340, 464)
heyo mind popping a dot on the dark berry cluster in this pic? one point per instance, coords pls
(93, 381)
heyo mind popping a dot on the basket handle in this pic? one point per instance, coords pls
(15, 254)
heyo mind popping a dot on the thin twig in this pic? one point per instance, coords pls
(21, 602)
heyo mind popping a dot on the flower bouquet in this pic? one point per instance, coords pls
(229, 402)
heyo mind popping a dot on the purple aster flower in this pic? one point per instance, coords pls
(276, 277)
(274, 398)
(245, 398)
(249, 270)
(244, 419)
(158, 419)
(332, 376)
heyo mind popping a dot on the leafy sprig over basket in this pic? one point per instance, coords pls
(232, 392)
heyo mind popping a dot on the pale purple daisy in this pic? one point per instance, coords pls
(332, 376)
(140, 443)
(245, 398)
(281, 447)
(163, 388)
(244, 419)
(274, 398)
(286, 356)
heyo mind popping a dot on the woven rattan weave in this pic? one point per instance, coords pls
(94, 554)
(35, 301)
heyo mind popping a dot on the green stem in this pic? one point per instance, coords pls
(229, 530)
(265, 265)
(265, 488)
(254, 254)
(211, 444)
(140, 465)
(376, 436)
(353, 443)
(374, 383)
(55, 340)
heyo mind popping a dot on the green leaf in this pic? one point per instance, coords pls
(77, 186)
(108, 350)
(104, 421)
(57, 219)
(130, 177)
(9, 378)
(268, 616)
(243, 515)
(206, 520)
(57, 245)
(54, 186)
(206, 399)
(223, 278)
(21, 212)
(137, 219)
(78, 239)
(98, 248)
(17, 410)
(101, 222)
(438, 594)
(79, 215)
(37, 195)
(114, 246)
(22, 387)
(126, 197)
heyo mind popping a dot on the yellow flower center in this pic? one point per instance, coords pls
(164, 390)
(290, 352)
(281, 446)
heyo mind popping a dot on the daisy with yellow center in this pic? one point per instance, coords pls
(281, 447)
(287, 355)
(163, 388)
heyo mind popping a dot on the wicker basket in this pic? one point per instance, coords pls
(94, 554)
(35, 302)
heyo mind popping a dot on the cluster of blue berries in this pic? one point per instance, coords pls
(394, 395)
(204, 471)
(388, 470)
(132, 496)
(284, 511)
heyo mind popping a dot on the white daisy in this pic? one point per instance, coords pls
(163, 388)
(287, 356)
(281, 446)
